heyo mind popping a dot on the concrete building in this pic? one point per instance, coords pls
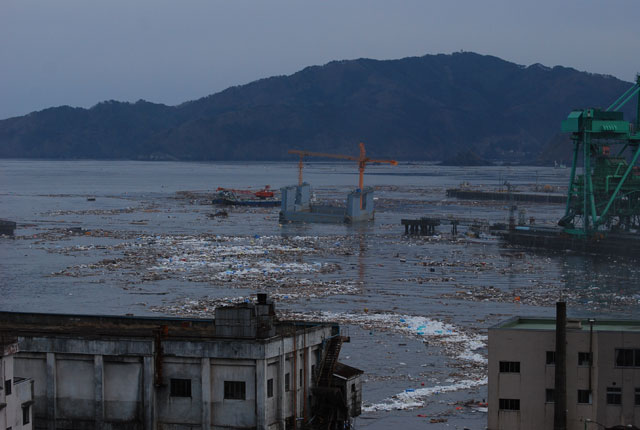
(16, 394)
(297, 207)
(243, 370)
(602, 368)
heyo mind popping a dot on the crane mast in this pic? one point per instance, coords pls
(606, 196)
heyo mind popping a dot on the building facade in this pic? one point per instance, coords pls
(16, 394)
(602, 368)
(243, 370)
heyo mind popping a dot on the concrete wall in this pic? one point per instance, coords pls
(354, 212)
(11, 415)
(295, 198)
(108, 383)
(529, 348)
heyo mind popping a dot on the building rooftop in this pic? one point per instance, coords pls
(14, 324)
(529, 323)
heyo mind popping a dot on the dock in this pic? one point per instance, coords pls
(426, 226)
(556, 239)
(7, 227)
(465, 194)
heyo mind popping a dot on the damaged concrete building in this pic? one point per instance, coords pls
(16, 394)
(246, 370)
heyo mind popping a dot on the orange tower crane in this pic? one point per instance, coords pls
(362, 162)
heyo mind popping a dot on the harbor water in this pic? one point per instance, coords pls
(125, 237)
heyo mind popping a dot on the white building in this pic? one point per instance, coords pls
(16, 394)
(602, 374)
(243, 370)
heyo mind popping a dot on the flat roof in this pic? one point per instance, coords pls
(532, 323)
(14, 324)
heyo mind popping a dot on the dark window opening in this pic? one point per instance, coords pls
(235, 390)
(287, 386)
(180, 387)
(637, 397)
(550, 395)
(313, 371)
(584, 396)
(509, 367)
(26, 414)
(551, 357)
(301, 377)
(7, 387)
(270, 387)
(584, 359)
(614, 396)
(509, 404)
(627, 357)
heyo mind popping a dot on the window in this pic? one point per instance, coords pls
(7, 387)
(26, 414)
(180, 387)
(509, 404)
(509, 367)
(584, 359)
(627, 357)
(234, 390)
(551, 358)
(614, 396)
(313, 370)
(637, 398)
(270, 387)
(287, 386)
(550, 395)
(584, 396)
(301, 377)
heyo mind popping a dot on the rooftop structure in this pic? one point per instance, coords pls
(602, 374)
(245, 369)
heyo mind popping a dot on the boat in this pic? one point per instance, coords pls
(233, 197)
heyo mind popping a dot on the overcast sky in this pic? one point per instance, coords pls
(81, 52)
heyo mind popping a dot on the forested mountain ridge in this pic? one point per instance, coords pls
(418, 108)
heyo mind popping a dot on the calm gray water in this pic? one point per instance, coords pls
(138, 207)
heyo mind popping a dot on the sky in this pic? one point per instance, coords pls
(79, 52)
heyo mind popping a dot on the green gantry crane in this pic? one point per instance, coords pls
(606, 196)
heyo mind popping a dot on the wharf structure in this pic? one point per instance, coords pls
(602, 374)
(243, 370)
(471, 194)
(16, 394)
(297, 207)
(7, 227)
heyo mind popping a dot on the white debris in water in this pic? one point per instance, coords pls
(411, 399)
(455, 341)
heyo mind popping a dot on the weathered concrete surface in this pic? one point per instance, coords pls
(105, 378)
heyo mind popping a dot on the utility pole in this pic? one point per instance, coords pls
(560, 391)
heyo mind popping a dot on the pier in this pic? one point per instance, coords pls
(460, 193)
(426, 226)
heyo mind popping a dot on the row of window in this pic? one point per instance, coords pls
(233, 390)
(627, 357)
(584, 359)
(584, 396)
(624, 357)
(614, 397)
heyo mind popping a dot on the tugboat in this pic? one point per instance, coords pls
(234, 197)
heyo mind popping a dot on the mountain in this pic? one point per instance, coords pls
(419, 108)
